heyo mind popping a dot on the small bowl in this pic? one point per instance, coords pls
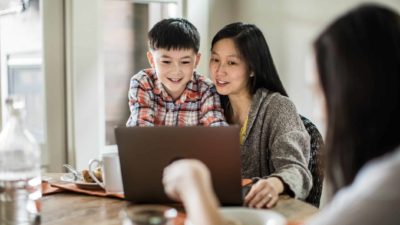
(148, 215)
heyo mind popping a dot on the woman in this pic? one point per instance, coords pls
(275, 143)
(357, 62)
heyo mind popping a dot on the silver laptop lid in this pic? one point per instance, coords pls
(144, 152)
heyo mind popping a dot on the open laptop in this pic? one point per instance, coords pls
(144, 152)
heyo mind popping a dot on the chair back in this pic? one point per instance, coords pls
(315, 163)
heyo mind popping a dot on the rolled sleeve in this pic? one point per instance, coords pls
(290, 164)
(140, 105)
(211, 113)
(289, 146)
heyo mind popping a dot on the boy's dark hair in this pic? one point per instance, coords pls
(174, 33)
(358, 62)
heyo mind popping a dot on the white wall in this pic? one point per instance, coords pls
(195, 12)
(290, 27)
(221, 13)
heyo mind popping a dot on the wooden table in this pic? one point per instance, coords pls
(71, 208)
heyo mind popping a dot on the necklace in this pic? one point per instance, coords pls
(243, 130)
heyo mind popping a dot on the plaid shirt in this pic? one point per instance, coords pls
(151, 105)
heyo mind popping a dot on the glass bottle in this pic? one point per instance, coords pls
(20, 181)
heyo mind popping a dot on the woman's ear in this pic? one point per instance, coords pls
(150, 58)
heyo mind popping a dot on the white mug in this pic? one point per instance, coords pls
(111, 172)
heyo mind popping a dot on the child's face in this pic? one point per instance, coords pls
(174, 68)
(228, 70)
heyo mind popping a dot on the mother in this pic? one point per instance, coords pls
(275, 143)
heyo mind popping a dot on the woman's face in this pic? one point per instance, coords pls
(229, 72)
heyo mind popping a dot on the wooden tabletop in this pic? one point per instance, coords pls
(71, 208)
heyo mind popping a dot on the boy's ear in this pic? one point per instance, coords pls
(198, 56)
(150, 58)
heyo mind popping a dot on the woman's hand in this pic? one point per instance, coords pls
(264, 193)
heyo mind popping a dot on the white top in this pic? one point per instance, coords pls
(373, 198)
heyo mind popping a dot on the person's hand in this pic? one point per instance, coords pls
(186, 177)
(264, 193)
(189, 181)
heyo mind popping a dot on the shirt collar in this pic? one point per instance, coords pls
(190, 92)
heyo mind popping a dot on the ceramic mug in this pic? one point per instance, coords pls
(111, 172)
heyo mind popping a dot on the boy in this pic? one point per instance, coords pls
(171, 93)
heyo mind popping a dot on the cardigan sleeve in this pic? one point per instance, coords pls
(289, 145)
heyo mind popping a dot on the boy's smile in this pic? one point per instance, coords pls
(174, 68)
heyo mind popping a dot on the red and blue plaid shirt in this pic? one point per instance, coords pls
(151, 105)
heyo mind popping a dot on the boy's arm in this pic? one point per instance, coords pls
(211, 113)
(140, 105)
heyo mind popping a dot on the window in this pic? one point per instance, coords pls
(25, 78)
(21, 64)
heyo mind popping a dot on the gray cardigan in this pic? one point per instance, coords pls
(276, 143)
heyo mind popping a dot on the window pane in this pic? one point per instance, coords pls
(21, 65)
(25, 78)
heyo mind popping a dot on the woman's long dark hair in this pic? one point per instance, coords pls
(253, 47)
(358, 61)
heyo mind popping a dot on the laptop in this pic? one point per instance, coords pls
(144, 152)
